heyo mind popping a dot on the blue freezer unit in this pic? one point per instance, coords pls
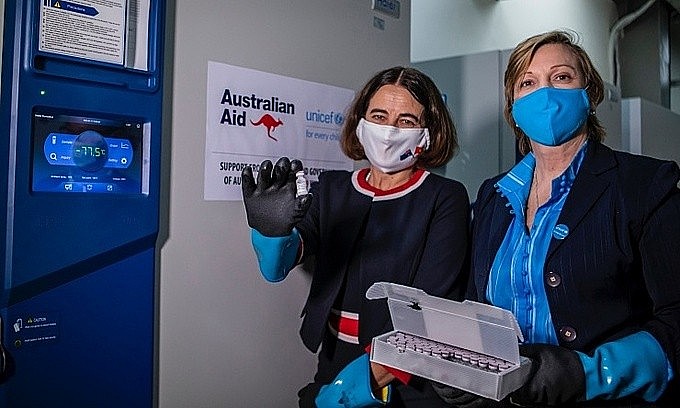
(80, 152)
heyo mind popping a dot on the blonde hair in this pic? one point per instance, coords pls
(519, 61)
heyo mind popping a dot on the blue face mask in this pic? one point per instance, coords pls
(551, 116)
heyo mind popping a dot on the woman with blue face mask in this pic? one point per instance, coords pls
(580, 242)
(390, 221)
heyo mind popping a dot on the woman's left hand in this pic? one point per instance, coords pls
(557, 376)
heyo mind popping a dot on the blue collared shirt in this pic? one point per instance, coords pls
(516, 278)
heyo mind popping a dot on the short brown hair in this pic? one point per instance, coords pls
(436, 117)
(519, 61)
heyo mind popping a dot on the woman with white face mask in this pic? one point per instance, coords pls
(392, 221)
(580, 242)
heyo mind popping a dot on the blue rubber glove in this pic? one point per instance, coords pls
(275, 255)
(632, 365)
(351, 388)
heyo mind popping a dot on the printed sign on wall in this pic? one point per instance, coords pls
(253, 116)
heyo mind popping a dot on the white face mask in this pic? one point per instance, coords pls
(389, 148)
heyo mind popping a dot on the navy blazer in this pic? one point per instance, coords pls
(429, 250)
(618, 269)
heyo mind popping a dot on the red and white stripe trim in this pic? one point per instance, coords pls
(344, 325)
(362, 186)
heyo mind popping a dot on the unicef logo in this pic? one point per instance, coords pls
(338, 118)
(328, 117)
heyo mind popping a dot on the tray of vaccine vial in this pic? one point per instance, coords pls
(466, 345)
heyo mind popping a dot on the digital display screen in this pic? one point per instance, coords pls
(88, 154)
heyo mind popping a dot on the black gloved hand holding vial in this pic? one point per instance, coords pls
(273, 204)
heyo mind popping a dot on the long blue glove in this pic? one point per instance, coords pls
(275, 255)
(351, 388)
(632, 365)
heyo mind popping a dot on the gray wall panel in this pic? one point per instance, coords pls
(227, 337)
(471, 85)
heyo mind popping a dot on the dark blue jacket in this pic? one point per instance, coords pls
(426, 246)
(618, 269)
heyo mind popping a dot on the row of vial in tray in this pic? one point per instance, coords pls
(404, 341)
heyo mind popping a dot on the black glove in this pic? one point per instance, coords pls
(459, 398)
(556, 377)
(271, 206)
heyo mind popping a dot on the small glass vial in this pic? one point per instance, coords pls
(300, 184)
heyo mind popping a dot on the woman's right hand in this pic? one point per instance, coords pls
(271, 205)
(459, 398)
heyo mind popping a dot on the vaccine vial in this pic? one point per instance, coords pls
(300, 184)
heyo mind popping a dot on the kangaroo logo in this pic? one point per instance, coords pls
(270, 123)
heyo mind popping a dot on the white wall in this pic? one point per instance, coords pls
(448, 28)
(228, 338)
(651, 129)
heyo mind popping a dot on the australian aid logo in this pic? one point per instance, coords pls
(252, 116)
(265, 112)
